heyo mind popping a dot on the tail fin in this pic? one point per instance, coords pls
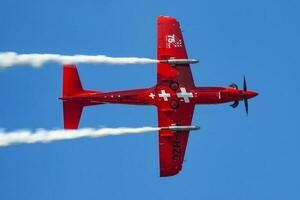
(71, 86)
(71, 81)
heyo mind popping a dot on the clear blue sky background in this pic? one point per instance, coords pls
(232, 157)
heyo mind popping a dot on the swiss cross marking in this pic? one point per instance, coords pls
(185, 95)
(151, 95)
(164, 95)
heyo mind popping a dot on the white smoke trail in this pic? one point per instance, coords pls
(10, 59)
(46, 136)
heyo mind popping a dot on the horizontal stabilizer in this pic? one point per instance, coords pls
(71, 81)
(71, 87)
(72, 113)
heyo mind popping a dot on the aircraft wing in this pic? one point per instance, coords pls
(172, 145)
(170, 45)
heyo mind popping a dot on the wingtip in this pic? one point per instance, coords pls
(162, 18)
(168, 173)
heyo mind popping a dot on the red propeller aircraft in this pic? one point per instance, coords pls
(174, 95)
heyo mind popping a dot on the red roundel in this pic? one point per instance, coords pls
(174, 103)
(174, 85)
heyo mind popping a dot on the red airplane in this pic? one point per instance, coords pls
(174, 95)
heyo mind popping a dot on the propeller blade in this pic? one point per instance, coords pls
(245, 84)
(246, 105)
(235, 104)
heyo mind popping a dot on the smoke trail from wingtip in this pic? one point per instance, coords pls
(10, 59)
(46, 136)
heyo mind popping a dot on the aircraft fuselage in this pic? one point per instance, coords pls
(164, 94)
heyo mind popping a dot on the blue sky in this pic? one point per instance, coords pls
(232, 157)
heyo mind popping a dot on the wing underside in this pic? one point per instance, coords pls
(172, 145)
(170, 45)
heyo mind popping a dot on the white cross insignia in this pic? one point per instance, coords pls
(185, 95)
(151, 95)
(164, 95)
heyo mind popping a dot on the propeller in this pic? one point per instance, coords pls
(245, 84)
(245, 100)
(236, 103)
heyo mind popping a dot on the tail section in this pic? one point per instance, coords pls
(71, 87)
(72, 113)
(73, 101)
(71, 81)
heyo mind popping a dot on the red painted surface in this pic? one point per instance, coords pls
(174, 95)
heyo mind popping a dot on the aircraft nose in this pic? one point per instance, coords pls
(251, 94)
